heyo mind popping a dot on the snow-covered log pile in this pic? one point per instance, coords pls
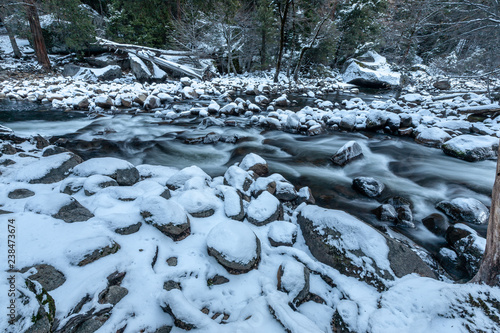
(112, 246)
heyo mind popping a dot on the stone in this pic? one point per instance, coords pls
(95, 183)
(305, 195)
(99, 253)
(472, 148)
(234, 246)
(376, 120)
(112, 295)
(167, 216)
(468, 210)
(255, 163)
(285, 191)
(48, 276)
(368, 186)
(442, 85)
(470, 249)
(264, 209)
(50, 169)
(122, 171)
(172, 261)
(152, 102)
(386, 213)
(108, 73)
(293, 279)
(335, 238)
(53, 150)
(282, 233)
(405, 216)
(233, 204)
(238, 178)
(103, 101)
(371, 70)
(73, 212)
(436, 223)
(432, 137)
(20, 193)
(131, 229)
(217, 280)
(139, 68)
(347, 153)
(45, 315)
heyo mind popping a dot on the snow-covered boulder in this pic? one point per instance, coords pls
(95, 183)
(152, 102)
(179, 178)
(285, 191)
(472, 148)
(233, 204)
(198, 203)
(122, 171)
(282, 233)
(234, 246)
(167, 216)
(467, 210)
(139, 68)
(59, 206)
(368, 186)
(370, 70)
(255, 163)
(356, 249)
(293, 279)
(347, 153)
(238, 178)
(264, 209)
(433, 137)
(104, 101)
(469, 247)
(50, 169)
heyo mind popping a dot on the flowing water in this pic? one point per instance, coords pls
(424, 175)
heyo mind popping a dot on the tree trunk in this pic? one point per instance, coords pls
(282, 40)
(36, 33)
(489, 272)
(12, 38)
(263, 50)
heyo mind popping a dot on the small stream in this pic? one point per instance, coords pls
(424, 175)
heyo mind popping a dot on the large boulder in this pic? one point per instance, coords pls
(370, 70)
(468, 245)
(255, 163)
(433, 137)
(48, 276)
(122, 171)
(139, 68)
(60, 206)
(167, 216)
(49, 169)
(234, 246)
(264, 209)
(355, 249)
(468, 210)
(472, 148)
(347, 153)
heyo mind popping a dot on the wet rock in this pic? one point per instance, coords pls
(99, 253)
(282, 233)
(293, 279)
(368, 186)
(48, 276)
(234, 246)
(167, 216)
(131, 229)
(20, 193)
(255, 163)
(386, 213)
(472, 148)
(467, 210)
(405, 216)
(347, 153)
(285, 191)
(452, 264)
(470, 248)
(112, 295)
(54, 150)
(50, 169)
(305, 195)
(436, 223)
(264, 209)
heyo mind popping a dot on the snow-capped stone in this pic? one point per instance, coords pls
(472, 148)
(370, 70)
(285, 191)
(198, 203)
(233, 204)
(103, 101)
(305, 195)
(152, 102)
(282, 233)
(468, 210)
(167, 216)
(234, 246)
(60, 206)
(179, 178)
(255, 163)
(122, 171)
(340, 240)
(139, 68)
(49, 169)
(20, 193)
(282, 101)
(347, 153)
(264, 209)
(238, 178)
(470, 248)
(368, 186)
(185, 81)
(86, 251)
(95, 183)
(376, 120)
(165, 98)
(386, 213)
(432, 136)
(293, 279)
(213, 107)
(80, 103)
(189, 93)
(262, 100)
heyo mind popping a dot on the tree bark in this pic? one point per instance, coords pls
(12, 38)
(282, 39)
(489, 272)
(36, 33)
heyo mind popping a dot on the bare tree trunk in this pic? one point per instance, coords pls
(36, 32)
(489, 272)
(263, 50)
(282, 39)
(12, 38)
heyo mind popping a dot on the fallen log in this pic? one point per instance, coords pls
(480, 109)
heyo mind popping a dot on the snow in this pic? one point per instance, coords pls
(163, 211)
(48, 205)
(250, 160)
(179, 178)
(282, 232)
(42, 167)
(197, 201)
(234, 240)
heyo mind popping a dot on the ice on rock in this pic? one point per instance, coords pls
(264, 209)
(167, 216)
(234, 246)
(468, 210)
